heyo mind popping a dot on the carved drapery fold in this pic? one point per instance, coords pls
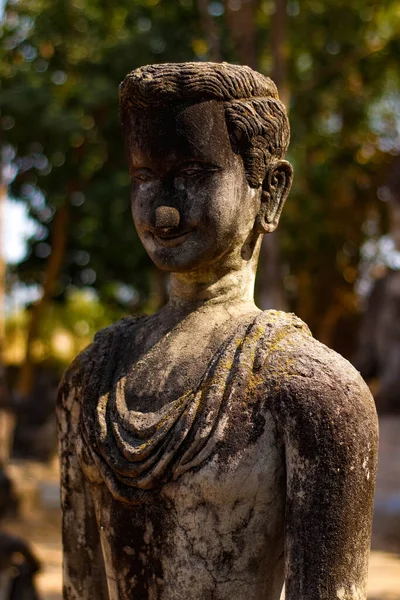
(134, 452)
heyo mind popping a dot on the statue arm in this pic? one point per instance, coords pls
(83, 569)
(329, 427)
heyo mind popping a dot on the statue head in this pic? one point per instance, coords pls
(206, 145)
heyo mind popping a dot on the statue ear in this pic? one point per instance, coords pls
(275, 189)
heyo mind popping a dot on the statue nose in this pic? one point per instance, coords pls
(167, 217)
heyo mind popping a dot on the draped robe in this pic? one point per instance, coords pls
(189, 501)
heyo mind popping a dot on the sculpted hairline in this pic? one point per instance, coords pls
(256, 119)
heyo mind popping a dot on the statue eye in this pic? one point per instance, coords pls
(192, 171)
(195, 169)
(142, 176)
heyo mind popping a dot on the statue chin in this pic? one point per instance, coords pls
(181, 253)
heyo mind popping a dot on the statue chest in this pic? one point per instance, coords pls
(189, 492)
(136, 448)
(217, 529)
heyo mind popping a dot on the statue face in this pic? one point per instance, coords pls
(191, 203)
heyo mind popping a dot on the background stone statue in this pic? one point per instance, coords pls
(378, 353)
(212, 450)
(379, 344)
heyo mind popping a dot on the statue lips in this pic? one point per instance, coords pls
(170, 237)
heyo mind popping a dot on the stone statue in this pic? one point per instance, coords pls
(378, 353)
(212, 450)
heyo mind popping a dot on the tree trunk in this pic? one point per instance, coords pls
(271, 290)
(51, 275)
(210, 30)
(278, 39)
(241, 19)
(3, 196)
(5, 424)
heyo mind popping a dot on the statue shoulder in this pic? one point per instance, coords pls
(309, 381)
(91, 360)
(120, 329)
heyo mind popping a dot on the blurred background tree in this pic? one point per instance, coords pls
(336, 65)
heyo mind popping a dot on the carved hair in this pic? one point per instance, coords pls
(257, 122)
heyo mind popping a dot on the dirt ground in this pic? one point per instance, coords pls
(40, 520)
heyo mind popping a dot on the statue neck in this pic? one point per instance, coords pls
(231, 281)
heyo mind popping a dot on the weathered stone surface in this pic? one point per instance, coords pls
(212, 450)
(379, 344)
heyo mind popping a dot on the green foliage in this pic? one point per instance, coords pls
(65, 329)
(342, 59)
